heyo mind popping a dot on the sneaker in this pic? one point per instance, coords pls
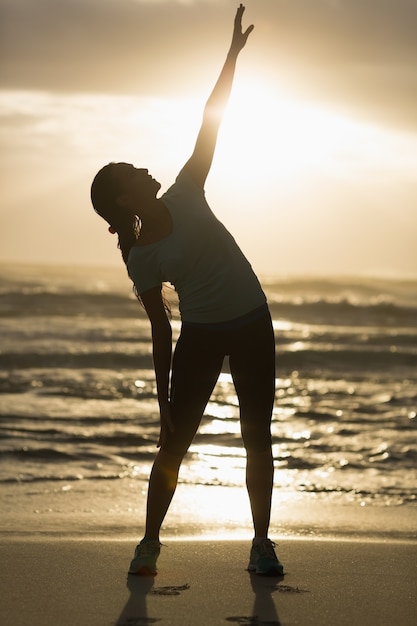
(263, 559)
(144, 560)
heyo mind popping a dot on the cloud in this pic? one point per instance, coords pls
(360, 55)
(100, 45)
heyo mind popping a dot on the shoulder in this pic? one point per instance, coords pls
(184, 198)
(184, 184)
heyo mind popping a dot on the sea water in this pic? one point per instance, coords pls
(78, 402)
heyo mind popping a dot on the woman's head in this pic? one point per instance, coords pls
(118, 192)
(106, 193)
(120, 187)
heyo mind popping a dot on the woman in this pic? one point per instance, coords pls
(224, 312)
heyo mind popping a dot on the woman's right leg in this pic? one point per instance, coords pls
(162, 485)
(195, 369)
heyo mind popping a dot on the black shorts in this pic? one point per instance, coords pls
(197, 363)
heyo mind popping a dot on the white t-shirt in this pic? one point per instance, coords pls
(214, 281)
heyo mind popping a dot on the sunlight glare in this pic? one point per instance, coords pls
(276, 138)
(220, 427)
(221, 411)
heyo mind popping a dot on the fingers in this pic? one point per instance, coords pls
(238, 24)
(163, 435)
(239, 13)
(167, 421)
(167, 425)
(248, 31)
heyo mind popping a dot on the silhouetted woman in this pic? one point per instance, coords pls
(176, 238)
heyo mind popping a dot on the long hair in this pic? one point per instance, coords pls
(104, 192)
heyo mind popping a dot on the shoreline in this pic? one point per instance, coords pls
(47, 537)
(65, 551)
(118, 511)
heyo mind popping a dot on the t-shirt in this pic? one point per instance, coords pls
(200, 258)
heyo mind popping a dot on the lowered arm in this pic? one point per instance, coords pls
(161, 352)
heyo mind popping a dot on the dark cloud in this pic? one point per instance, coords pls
(359, 54)
(101, 45)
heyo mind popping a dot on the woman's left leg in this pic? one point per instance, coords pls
(259, 483)
(252, 365)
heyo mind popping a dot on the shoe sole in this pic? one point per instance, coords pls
(272, 571)
(143, 571)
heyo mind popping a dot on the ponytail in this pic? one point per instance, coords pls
(104, 193)
(127, 230)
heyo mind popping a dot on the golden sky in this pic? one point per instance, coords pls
(316, 166)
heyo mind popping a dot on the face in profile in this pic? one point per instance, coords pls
(136, 184)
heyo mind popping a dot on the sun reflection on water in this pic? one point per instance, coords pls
(209, 465)
(221, 411)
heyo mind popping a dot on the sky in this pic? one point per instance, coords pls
(315, 170)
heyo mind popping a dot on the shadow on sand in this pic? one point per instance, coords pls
(264, 611)
(135, 613)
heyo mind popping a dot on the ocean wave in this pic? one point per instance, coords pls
(343, 312)
(45, 303)
(91, 292)
(351, 362)
(318, 309)
(78, 399)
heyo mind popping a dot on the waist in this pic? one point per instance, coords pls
(237, 322)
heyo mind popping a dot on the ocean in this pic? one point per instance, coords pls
(78, 404)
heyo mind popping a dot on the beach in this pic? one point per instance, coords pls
(78, 433)
(329, 582)
(65, 558)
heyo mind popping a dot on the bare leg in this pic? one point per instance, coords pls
(252, 365)
(259, 482)
(162, 485)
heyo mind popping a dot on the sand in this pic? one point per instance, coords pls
(65, 581)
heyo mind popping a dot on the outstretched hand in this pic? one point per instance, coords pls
(239, 38)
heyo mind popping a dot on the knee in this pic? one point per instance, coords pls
(168, 460)
(259, 456)
(257, 442)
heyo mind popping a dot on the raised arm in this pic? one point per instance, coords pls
(198, 166)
